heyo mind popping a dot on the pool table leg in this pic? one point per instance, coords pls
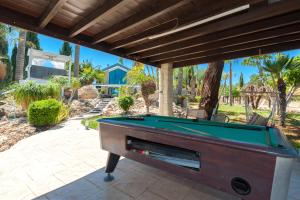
(112, 161)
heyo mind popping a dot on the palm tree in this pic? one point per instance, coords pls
(192, 82)
(224, 77)
(257, 61)
(20, 62)
(76, 61)
(180, 80)
(276, 68)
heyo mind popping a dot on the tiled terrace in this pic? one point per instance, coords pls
(67, 163)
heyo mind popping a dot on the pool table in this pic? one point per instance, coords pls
(251, 162)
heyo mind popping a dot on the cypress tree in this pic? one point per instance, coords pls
(66, 49)
(241, 81)
(13, 61)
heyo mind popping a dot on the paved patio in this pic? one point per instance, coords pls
(67, 163)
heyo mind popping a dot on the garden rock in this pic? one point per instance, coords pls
(87, 92)
(13, 131)
(10, 110)
(138, 108)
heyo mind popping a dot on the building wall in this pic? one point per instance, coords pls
(117, 77)
(42, 72)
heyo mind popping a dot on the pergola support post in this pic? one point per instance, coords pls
(166, 89)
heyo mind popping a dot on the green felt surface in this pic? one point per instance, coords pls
(258, 135)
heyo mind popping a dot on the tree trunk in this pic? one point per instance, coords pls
(230, 84)
(193, 89)
(257, 101)
(2, 71)
(147, 103)
(180, 79)
(76, 61)
(21, 55)
(157, 77)
(210, 87)
(281, 86)
(291, 93)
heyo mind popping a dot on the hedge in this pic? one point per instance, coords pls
(46, 112)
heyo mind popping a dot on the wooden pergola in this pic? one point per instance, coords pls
(164, 33)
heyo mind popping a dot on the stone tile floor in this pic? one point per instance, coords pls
(67, 163)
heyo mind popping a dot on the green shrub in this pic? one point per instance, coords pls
(63, 113)
(198, 99)
(47, 112)
(125, 102)
(63, 81)
(24, 94)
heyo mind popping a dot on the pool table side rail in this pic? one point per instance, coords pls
(288, 151)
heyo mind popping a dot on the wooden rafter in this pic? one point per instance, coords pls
(264, 28)
(182, 20)
(262, 25)
(235, 48)
(91, 19)
(143, 35)
(50, 12)
(239, 54)
(139, 18)
(21, 20)
(245, 39)
(257, 14)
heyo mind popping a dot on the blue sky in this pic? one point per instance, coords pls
(99, 58)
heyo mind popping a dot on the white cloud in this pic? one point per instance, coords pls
(38, 61)
(58, 65)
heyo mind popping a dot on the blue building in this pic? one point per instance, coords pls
(115, 77)
(115, 74)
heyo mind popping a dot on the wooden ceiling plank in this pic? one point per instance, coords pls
(240, 47)
(27, 22)
(180, 21)
(139, 18)
(230, 33)
(272, 33)
(240, 54)
(91, 19)
(143, 35)
(260, 13)
(50, 12)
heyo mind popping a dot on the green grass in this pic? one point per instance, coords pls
(92, 121)
(237, 113)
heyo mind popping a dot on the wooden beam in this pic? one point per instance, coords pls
(262, 25)
(27, 22)
(259, 36)
(143, 35)
(240, 54)
(236, 48)
(184, 19)
(95, 15)
(254, 15)
(139, 18)
(50, 12)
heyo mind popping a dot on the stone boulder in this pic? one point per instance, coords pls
(87, 92)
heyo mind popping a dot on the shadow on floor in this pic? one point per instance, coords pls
(133, 181)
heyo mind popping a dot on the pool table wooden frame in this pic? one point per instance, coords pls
(266, 169)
